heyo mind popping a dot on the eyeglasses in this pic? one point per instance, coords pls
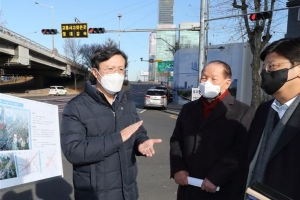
(272, 66)
(112, 69)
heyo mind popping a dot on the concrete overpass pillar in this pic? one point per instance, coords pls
(39, 81)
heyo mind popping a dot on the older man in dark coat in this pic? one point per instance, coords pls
(207, 139)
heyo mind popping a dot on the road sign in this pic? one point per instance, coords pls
(76, 30)
(165, 66)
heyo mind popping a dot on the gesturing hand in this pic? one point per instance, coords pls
(127, 132)
(146, 148)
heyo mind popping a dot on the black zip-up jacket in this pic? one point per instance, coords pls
(104, 168)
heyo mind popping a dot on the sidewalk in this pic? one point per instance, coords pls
(174, 106)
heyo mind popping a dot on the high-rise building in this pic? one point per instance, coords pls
(165, 9)
(188, 39)
(162, 42)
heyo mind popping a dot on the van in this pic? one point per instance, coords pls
(156, 98)
(57, 90)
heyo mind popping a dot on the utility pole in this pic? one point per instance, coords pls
(202, 39)
(206, 31)
(120, 15)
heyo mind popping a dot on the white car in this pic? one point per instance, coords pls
(57, 90)
(156, 98)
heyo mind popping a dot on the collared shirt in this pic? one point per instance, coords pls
(281, 108)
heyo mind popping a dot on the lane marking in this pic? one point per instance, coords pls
(173, 116)
(143, 110)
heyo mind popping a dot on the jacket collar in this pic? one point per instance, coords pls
(291, 129)
(99, 96)
(221, 108)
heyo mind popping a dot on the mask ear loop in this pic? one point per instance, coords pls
(298, 76)
(222, 84)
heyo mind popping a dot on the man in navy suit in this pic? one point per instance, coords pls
(274, 142)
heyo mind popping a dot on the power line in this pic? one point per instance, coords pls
(154, 30)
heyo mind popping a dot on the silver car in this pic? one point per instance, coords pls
(156, 98)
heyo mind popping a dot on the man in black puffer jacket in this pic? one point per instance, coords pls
(101, 133)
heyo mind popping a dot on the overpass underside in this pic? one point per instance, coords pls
(20, 56)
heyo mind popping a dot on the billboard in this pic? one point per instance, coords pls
(144, 73)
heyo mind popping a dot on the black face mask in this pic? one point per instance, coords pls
(272, 81)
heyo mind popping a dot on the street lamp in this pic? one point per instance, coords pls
(206, 52)
(173, 49)
(52, 8)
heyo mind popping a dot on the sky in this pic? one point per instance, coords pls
(27, 18)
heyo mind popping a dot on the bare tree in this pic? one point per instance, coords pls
(71, 49)
(176, 47)
(86, 51)
(164, 75)
(258, 36)
(2, 22)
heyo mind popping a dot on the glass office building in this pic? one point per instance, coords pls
(188, 39)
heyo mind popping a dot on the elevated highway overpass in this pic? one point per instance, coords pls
(23, 57)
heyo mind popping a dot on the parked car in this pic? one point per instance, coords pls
(57, 90)
(169, 92)
(156, 98)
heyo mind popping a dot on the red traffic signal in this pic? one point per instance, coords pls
(96, 30)
(49, 31)
(261, 15)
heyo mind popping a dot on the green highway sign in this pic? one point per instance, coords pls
(165, 66)
(76, 30)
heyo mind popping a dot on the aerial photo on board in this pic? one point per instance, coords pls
(14, 128)
(7, 166)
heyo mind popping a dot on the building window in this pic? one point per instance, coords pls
(298, 14)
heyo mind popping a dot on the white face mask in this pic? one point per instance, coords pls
(112, 83)
(209, 90)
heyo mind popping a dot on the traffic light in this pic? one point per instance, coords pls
(96, 30)
(261, 15)
(49, 31)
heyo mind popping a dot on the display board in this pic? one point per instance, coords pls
(29, 141)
